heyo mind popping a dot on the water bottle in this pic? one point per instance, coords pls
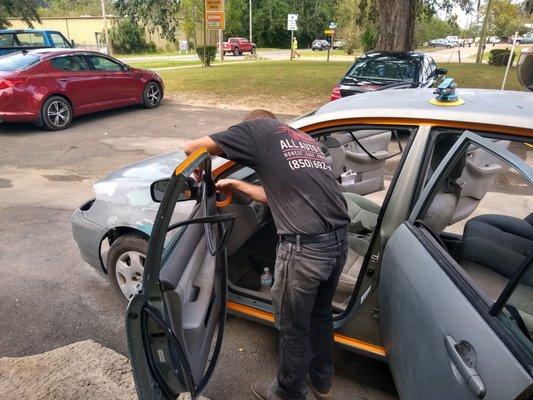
(266, 279)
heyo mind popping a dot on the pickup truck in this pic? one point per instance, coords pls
(238, 45)
(13, 40)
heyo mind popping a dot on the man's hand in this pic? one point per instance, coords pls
(255, 192)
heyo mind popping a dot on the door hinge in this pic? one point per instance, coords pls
(374, 312)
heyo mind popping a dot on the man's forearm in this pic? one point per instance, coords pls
(255, 192)
(206, 141)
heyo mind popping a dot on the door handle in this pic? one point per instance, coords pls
(464, 358)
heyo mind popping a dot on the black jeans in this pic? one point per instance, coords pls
(305, 280)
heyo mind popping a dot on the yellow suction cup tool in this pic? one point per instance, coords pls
(457, 102)
(446, 94)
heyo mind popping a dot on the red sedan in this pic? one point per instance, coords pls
(50, 87)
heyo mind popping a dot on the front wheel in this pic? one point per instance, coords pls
(236, 51)
(56, 113)
(152, 95)
(125, 264)
(254, 51)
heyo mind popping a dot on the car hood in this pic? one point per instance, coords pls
(149, 169)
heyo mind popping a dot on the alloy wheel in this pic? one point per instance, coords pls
(58, 114)
(129, 272)
(153, 95)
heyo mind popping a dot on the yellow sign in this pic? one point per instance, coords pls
(214, 20)
(329, 31)
(214, 5)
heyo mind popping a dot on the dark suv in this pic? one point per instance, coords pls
(388, 70)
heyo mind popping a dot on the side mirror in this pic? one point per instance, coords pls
(441, 71)
(158, 189)
(125, 68)
(73, 44)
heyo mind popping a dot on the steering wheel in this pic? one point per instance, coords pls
(225, 201)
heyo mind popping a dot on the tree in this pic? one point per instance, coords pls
(152, 14)
(397, 24)
(71, 8)
(236, 18)
(192, 17)
(271, 20)
(505, 18)
(26, 9)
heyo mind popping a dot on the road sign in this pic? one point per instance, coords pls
(214, 5)
(214, 20)
(291, 22)
(332, 25)
(292, 17)
(329, 32)
(214, 14)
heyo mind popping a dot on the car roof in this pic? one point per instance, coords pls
(50, 52)
(481, 106)
(28, 30)
(397, 54)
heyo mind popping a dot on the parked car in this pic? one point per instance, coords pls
(388, 70)
(51, 86)
(526, 39)
(13, 40)
(456, 40)
(493, 40)
(442, 43)
(238, 46)
(414, 291)
(320, 44)
(338, 44)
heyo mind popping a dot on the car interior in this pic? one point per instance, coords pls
(489, 247)
(481, 214)
(363, 161)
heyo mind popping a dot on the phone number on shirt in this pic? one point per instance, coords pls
(304, 163)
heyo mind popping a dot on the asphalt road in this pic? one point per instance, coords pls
(51, 298)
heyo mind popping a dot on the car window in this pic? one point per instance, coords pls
(7, 40)
(70, 63)
(104, 64)
(31, 39)
(17, 61)
(383, 69)
(482, 214)
(59, 41)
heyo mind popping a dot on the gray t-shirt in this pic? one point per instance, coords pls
(302, 192)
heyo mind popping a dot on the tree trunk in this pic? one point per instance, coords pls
(397, 20)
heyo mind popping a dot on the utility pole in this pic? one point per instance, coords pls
(250, 22)
(481, 45)
(106, 36)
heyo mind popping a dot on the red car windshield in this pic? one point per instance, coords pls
(18, 61)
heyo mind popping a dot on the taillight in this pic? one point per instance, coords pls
(336, 93)
(10, 82)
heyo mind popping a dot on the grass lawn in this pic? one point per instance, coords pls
(323, 53)
(163, 63)
(294, 87)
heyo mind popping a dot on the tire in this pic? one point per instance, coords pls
(236, 51)
(449, 47)
(254, 51)
(152, 95)
(125, 264)
(56, 113)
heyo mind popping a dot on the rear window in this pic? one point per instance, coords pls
(384, 69)
(7, 40)
(31, 39)
(17, 61)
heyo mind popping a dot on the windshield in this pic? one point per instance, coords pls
(17, 61)
(383, 69)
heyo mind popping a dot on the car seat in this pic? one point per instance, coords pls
(363, 215)
(444, 204)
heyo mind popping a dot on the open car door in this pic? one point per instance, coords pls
(444, 338)
(172, 320)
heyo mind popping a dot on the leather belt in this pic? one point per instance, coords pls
(338, 235)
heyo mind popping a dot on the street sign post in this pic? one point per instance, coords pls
(215, 20)
(331, 33)
(292, 26)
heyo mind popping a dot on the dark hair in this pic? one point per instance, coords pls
(259, 114)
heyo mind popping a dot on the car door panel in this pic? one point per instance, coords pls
(416, 328)
(440, 340)
(172, 319)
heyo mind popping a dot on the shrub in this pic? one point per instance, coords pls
(369, 38)
(500, 57)
(128, 37)
(206, 56)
